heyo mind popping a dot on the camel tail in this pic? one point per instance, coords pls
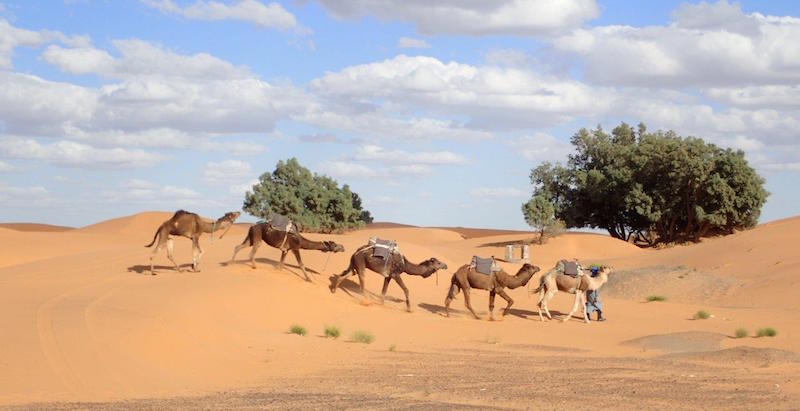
(539, 288)
(154, 237)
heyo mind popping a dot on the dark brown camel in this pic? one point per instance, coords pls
(283, 241)
(189, 225)
(391, 270)
(466, 279)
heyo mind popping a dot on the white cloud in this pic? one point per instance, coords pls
(517, 17)
(271, 15)
(30, 196)
(540, 147)
(72, 154)
(377, 153)
(12, 37)
(5, 167)
(226, 172)
(412, 43)
(706, 45)
(238, 190)
(345, 169)
(498, 192)
(136, 191)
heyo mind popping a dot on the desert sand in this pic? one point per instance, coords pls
(85, 325)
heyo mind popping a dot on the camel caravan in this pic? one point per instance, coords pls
(384, 258)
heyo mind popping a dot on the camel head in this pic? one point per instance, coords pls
(333, 247)
(435, 264)
(528, 268)
(228, 220)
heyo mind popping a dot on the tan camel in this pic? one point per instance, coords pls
(284, 241)
(391, 270)
(555, 281)
(467, 278)
(189, 225)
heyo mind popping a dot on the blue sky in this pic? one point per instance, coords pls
(433, 114)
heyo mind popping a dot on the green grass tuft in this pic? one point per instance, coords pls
(766, 332)
(332, 331)
(701, 315)
(363, 337)
(741, 333)
(298, 329)
(392, 348)
(652, 298)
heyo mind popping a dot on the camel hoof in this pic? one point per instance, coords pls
(564, 320)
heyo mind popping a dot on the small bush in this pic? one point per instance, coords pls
(392, 348)
(652, 298)
(332, 331)
(362, 337)
(701, 315)
(298, 329)
(766, 332)
(741, 333)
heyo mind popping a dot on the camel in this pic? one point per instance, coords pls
(555, 281)
(466, 278)
(391, 270)
(189, 225)
(284, 241)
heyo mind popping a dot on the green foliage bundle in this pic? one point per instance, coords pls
(315, 202)
(652, 187)
(540, 214)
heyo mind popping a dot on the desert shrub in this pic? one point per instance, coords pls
(766, 332)
(332, 331)
(298, 329)
(363, 337)
(741, 333)
(392, 348)
(701, 315)
(652, 298)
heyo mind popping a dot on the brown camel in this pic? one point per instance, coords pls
(283, 241)
(391, 270)
(555, 281)
(467, 278)
(189, 225)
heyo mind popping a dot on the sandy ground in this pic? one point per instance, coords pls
(86, 326)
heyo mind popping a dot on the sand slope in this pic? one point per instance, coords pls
(84, 321)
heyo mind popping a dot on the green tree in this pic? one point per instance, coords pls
(653, 187)
(313, 201)
(540, 214)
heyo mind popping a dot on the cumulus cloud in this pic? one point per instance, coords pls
(271, 15)
(377, 153)
(705, 45)
(498, 192)
(72, 154)
(29, 196)
(137, 191)
(12, 37)
(540, 147)
(516, 17)
(5, 167)
(226, 172)
(412, 43)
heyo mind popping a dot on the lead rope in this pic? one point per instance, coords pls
(213, 228)
(326, 263)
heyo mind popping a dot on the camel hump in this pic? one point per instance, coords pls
(181, 212)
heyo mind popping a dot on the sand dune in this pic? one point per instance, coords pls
(84, 321)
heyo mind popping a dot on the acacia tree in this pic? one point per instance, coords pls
(653, 187)
(313, 201)
(540, 214)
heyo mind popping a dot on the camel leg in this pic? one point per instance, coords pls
(385, 288)
(283, 257)
(337, 279)
(157, 248)
(583, 304)
(547, 297)
(170, 249)
(199, 255)
(539, 303)
(299, 261)
(256, 244)
(454, 289)
(405, 291)
(574, 307)
(492, 295)
(468, 303)
(195, 254)
(237, 249)
(502, 293)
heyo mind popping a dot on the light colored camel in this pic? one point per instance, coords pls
(465, 279)
(391, 270)
(284, 241)
(555, 281)
(192, 226)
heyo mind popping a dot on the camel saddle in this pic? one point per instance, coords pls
(484, 265)
(280, 222)
(382, 248)
(570, 268)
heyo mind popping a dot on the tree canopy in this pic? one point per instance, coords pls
(313, 201)
(652, 187)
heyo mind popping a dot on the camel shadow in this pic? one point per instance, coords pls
(353, 289)
(145, 269)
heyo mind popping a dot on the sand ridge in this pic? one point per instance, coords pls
(90, 324)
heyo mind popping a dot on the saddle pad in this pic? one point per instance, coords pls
(483, 265)
(382, 248)
(280, 222)
(571, 268)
